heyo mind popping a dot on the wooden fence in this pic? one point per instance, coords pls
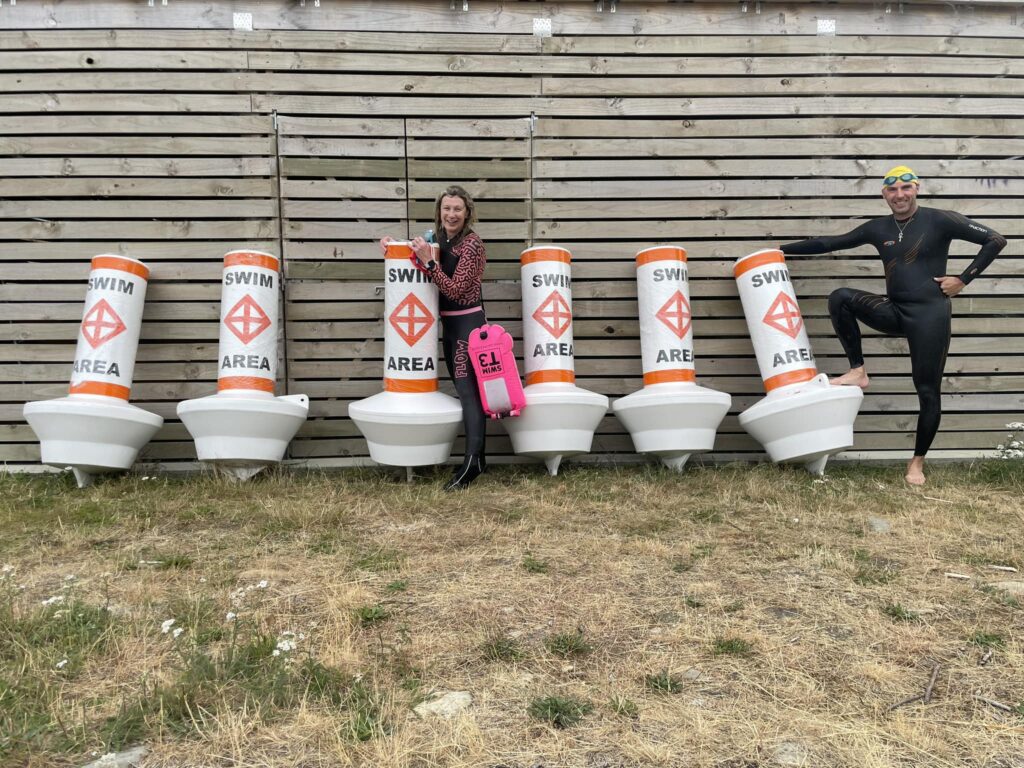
(166, 133)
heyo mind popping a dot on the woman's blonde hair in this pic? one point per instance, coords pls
(455, 191)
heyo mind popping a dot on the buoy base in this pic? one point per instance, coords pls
(558, 421)
(242, 433)
(805, 423)
(408, 429)
(90, 434)
(673, 421)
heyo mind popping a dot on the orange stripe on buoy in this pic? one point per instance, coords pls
(251, 259)
(669, 377)
(245, 382)
(768, 257)
(533, 255)
(410, 385)
(398, 249)
(100, 388)
(550, 377)
(661, 253)
(790, 377)
(124, 265)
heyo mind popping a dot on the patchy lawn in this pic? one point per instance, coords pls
(733, 617)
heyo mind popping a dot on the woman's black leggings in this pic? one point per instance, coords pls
(926, 326)
(455, 341)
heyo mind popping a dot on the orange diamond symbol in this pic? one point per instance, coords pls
(411, 319)
(675, 314)
(246, 319)
(554, 315)
(784, 315)
(101, 324)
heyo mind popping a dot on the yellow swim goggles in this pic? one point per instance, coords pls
(888, 181)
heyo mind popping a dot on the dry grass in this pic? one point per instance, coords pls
(734, 617)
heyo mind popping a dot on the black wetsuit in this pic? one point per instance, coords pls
(913, 252)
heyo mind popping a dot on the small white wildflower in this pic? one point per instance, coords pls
(55, 600)
(61, 664)
(60, 614)
(70, 577)
(166, 626)
(231, 616)
(177, 632)
(263, 584)
(285, 643)
(277, 652)
(202, 579)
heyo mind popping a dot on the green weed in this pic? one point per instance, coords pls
(368, 615)
(532, 565)
(663, 682)
(561, 712)
(624, 707)
(501, 647)
(568, 644)
(897, 612)
(735, 646)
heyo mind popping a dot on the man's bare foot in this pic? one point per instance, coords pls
(855, 377)
(915, 471)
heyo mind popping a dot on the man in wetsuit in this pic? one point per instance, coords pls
(914, 245)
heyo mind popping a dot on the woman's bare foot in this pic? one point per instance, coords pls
(915, 471)
(855, 377)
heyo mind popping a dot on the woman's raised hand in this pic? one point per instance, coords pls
(384, 243)
(422, 249)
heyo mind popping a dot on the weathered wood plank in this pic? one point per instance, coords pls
(269, 82)
(136, 124)
(138, 166)
(673, 106)
(906, 84)
(863, 173)
(166, 253)
(182, 230)
(114, 102)
(558, 128)
(126, 186)
(281, 38)
(562, 210)
(611, 65)
(295, 146)
(136, 145)
(624, 188)
(96, 210)
(28, 61)
(769, 147)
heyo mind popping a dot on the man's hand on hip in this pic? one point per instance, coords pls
(950, 285)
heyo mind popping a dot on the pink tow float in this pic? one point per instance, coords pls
(94, 429)
(803, 418)
(671, 417)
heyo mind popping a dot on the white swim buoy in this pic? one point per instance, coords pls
(560, 418)
(410, 423)
(243, 427)
(94, 429)
(803, 418)
(671, 417)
